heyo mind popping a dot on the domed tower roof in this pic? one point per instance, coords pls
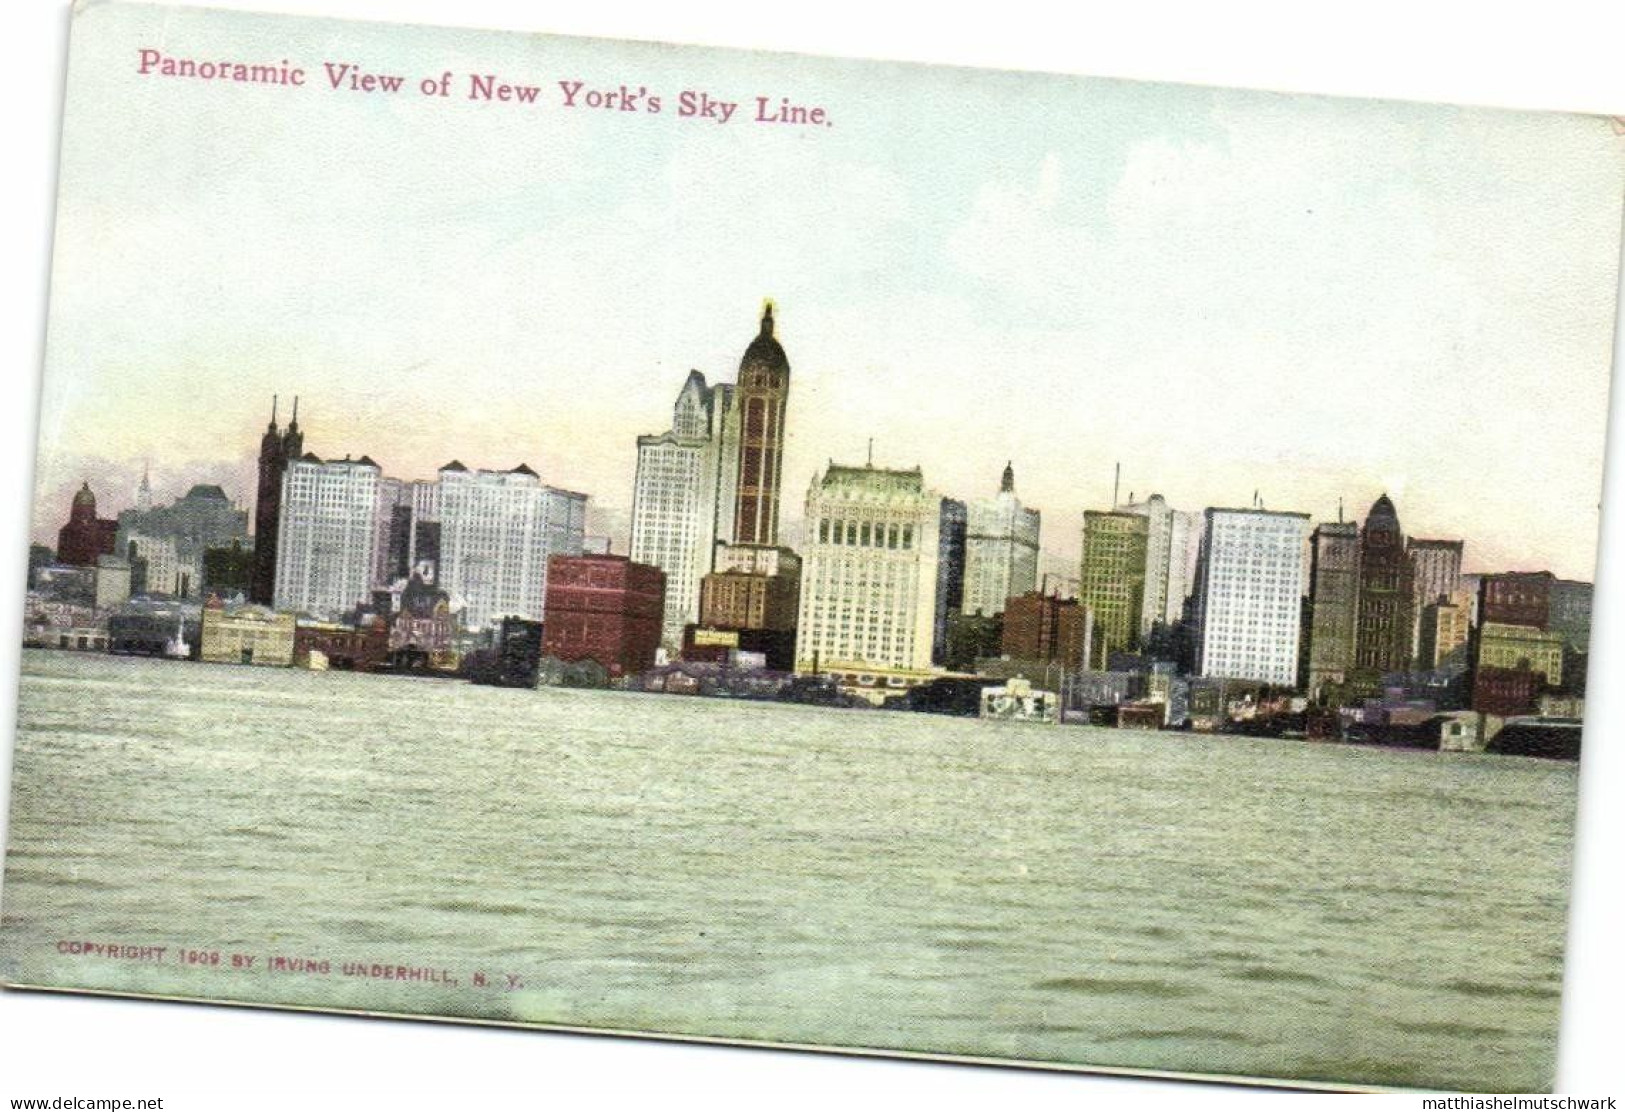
(85, 500)
(1007, 484)
(1383, 516)
(764, 350)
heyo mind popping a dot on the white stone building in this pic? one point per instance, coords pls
(1249, 595)
(1001, 549)
(869, 571)
(683, 496)
(326, 535)
(165, 571)
(497, 531)
(1173, 543)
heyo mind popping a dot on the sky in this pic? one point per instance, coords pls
(1316, 299)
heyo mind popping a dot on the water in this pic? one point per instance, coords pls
(792, 874)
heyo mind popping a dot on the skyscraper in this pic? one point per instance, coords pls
(188, 527)
(1112, 579)
(763, 390)
(497, 530)
(950, 573)
(1249, 595)
(1001, 548)
(869, 573)
(683, 496)
(1382, 641)
(325, 537)
(277, 450)
(1173, 538)
(753, 587)
(1435, 575)
(1334, 602)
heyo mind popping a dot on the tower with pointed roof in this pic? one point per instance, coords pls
(763, 390)
(1001, 548)
(278, 448)
(1383, 634)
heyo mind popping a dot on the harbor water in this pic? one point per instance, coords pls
(790, 874)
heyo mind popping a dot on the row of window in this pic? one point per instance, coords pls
(864, 534)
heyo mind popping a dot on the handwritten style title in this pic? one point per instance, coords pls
(349, 77)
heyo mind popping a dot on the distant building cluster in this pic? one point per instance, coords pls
(896, 595)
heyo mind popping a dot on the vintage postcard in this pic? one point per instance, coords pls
(875, 557)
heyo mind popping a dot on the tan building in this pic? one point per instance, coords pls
(869, 573)
(1112, 579)
(1444, 626)
(1521, 648)
(245, 635)
(753, 587)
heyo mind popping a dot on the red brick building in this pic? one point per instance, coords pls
(603, 608)
(1521, 598)
(85, 536)
(1043, 627)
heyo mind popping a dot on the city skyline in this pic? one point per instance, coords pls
(162, 488)
(1286, 282)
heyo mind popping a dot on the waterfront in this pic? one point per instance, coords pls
(788, 873)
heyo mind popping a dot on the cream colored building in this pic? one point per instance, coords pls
(869, 572)
(245, 635)
(1001, 549)
(1514, 646)
(683, 497)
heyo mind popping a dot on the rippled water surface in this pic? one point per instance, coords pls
(792, 874)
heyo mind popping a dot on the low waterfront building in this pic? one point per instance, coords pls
(608, 609)
(71, 584)
(424, 623)
(342, 647)
(246, 634)
(55, 623)
(155, 627)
